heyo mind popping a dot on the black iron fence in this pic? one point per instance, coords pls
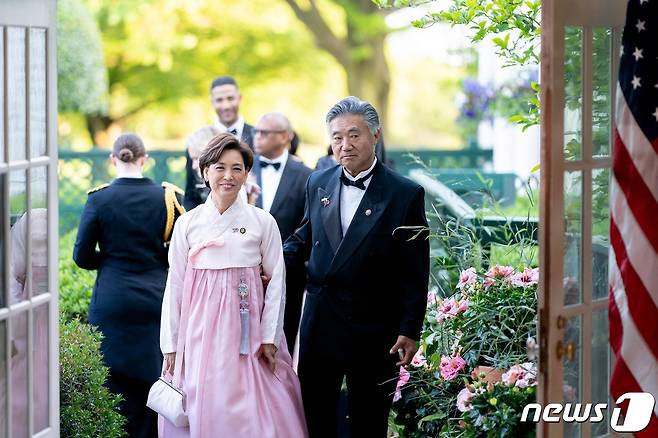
(81, 171)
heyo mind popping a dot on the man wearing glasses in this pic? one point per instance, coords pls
(282, 180)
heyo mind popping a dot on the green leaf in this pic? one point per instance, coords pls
(438, 416)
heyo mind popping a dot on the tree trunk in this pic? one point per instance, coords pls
(369, 79)
(361, 53)
(97, 124)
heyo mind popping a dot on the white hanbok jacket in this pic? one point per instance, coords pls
(243, 236)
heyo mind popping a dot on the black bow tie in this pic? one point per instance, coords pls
(265, 164)
(232, 131)
(359, 183)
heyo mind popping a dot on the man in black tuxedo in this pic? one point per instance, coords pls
(367, 277)
(282, 180)
(225, 98)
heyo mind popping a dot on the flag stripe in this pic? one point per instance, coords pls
(633, 350)
(639, 251)
(638, 196)
(651, 431)
(641, 311)
(644, 154)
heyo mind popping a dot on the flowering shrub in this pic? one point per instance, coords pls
(476, 368)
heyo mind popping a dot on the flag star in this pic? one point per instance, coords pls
(636, 82)
(640, 26)
(638, 54)
(655, 114)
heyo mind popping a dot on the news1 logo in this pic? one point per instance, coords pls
(638, 414)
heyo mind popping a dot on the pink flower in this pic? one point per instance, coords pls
(450, 307)
(526, 278)
(431, 298)
(521, 376)
(464, 400)
(451, 366)
(497, 272)
(467, 277)
(419, 360)
(402, 380)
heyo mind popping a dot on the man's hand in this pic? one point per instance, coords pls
(267, 353)
(264, 278)
(170, 360)
(406, 348)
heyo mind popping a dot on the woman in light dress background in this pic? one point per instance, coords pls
(221, 331)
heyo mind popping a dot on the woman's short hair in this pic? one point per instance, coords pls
(128, 148)
(221, 143)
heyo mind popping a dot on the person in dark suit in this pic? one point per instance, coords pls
(367, 277)
(131, 221)
(225, 98)
(282, 179)
(326, 161)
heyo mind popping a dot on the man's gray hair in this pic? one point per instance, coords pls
(354, 105)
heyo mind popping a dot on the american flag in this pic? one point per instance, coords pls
(634, 211)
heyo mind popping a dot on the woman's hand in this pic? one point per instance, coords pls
(170, 360)
(267, 353)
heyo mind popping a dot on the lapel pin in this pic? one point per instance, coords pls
(325, 201)
(368, 212)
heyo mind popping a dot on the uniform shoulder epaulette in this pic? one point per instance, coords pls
(173, 206)
(95, 189)
(174, 187)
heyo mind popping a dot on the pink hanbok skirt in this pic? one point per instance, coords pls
(229, 395)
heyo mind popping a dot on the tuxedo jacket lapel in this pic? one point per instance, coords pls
(285, 185)
(247, 135)
(329, 199)
(367, 215)
(259, 179)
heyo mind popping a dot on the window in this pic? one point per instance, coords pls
(28, 285)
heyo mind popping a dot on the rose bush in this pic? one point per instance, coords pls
(476, 367)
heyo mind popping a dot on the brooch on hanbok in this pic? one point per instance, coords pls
(243, 292)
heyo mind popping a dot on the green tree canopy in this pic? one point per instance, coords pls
(81, 75)
(161, 53)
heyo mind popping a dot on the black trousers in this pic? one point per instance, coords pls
(295, 285)
(141, 422)
(371, 377)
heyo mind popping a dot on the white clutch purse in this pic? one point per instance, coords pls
(168, 401)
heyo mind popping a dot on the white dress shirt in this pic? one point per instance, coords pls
(270, 179)
(350, 197)
(238, 126)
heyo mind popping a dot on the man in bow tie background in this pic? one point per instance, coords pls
(367, 277)
(282, 179)
(225, 98)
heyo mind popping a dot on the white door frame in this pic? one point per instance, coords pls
(35, 14)
(556, 15)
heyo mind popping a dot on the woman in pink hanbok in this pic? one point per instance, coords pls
(221, 331)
